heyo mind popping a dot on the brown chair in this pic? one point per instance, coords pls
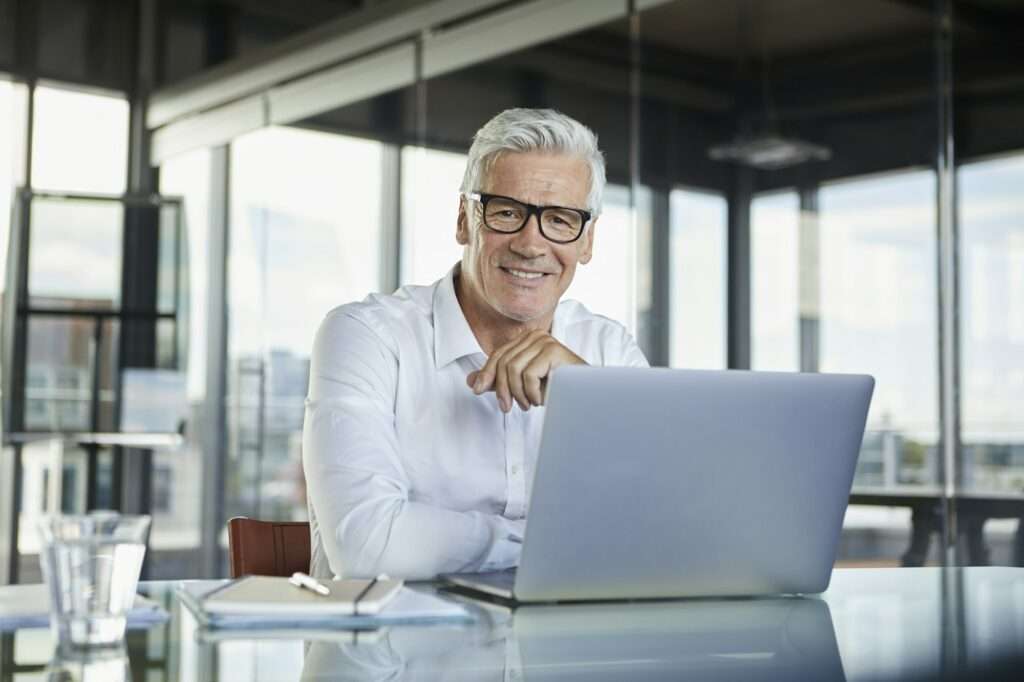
(268, 547)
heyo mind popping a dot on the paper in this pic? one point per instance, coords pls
(27, 606)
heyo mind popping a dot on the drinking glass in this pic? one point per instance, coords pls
(91, 566)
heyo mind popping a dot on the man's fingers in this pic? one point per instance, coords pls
(519, 370)
(515, 366)
(505, 385)
(535, 377)
(528, 368)
(484, 380)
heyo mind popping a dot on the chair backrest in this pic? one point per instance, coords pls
(268, 547)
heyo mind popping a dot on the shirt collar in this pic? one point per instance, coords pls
(453, 339)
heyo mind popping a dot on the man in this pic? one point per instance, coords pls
(425, 408)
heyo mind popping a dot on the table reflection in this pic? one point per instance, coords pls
(758, 639)
(871, 624)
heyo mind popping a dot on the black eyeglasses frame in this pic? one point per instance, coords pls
(483, 198)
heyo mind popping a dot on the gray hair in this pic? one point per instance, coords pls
(527, 130)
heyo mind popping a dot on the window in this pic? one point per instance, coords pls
(79, 141)
(699, 266)
(305, 237)
(188, 176)
(13, 109)
(878, 315)
(607, 285)
(430, 200)
(75, 253)
(992, 324)
(774, 280)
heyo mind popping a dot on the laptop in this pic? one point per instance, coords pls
(659, 483)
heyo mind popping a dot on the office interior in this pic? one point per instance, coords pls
(188, 187)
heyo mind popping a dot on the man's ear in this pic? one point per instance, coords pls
(588, 244)
(462, 224)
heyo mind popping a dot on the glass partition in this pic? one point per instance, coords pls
(785, 114)
(305, 237)
(805, 238)
(775, 282)
(430, 199)
(79, 141)
(697, 288)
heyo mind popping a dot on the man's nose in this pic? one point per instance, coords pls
(529, 242)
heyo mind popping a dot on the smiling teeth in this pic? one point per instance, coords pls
(526, 275)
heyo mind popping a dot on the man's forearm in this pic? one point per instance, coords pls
(412, 540)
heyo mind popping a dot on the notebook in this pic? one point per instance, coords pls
(267, 594)
(286, 608)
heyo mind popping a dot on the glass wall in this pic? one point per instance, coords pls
(72, 337)
(13, 111)
(177, 484)
(791, 118)
(430, 201)
(775, 282)
(808, 139)
(79, 141)
(865, 328)
(305, 236)
(992, 304)
(607, 285)
(697, 286)
(992, 342)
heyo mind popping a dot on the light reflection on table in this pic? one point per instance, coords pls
(871, 624)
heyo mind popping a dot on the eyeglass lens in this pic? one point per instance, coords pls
(557, 224)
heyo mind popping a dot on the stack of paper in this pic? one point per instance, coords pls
(28, 606)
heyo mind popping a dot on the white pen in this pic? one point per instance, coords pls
(307, 582)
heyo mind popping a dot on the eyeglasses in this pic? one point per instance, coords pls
(558, 224)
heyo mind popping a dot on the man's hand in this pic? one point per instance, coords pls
(519, 369)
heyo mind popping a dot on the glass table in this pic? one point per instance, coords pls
(876, 624)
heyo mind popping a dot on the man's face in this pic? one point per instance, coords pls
(500, 270)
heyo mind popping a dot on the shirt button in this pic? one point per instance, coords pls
(515, 469)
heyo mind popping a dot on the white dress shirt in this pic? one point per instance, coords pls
(408, 472)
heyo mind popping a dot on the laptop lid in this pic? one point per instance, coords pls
(666, 483)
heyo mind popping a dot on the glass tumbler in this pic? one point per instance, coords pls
(91, 565)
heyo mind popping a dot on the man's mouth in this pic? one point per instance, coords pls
(525, 274)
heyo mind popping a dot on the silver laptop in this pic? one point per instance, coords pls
(658, 483)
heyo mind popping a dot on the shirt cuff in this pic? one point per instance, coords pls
(506, 544)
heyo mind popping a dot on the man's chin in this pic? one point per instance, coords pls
(523, 314)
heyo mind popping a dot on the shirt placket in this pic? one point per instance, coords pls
(515, 477)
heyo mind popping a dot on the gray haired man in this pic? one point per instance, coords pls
(425, 407)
